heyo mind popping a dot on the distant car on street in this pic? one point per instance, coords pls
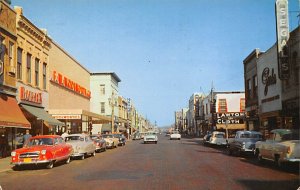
(136, 136)
(206, 138)
(175, 135)
(99, 142)
(244, 142)
(42, 149)
(150, 137)
(218, 138)
(122, 139)
(82, 144)
(111, 141)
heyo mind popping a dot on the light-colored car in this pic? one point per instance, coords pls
(282, 145)
(136, 136)
(218, 138)
(150, 138)
(175, 135)
(82, 145)
(111, 140)
(244, 142)
(99, 142)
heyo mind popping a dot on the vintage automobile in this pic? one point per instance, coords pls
(175, 135)
(243, 142)
(150, 137)
(206, 139)
(111, 140)
(136, 136)
(82, 145)
(43, 149)
(218, 138)
(122, 139)
(282, 146)
(99, 142)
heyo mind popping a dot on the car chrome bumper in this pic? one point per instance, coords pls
(31, 162)
(77, 154)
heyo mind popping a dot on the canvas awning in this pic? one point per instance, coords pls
(43, 115)
(10, 113)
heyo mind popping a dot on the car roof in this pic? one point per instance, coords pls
(45, 136)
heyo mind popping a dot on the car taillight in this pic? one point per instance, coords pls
(289, 150)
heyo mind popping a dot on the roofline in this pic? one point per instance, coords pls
(108, 73)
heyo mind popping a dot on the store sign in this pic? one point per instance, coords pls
(268, 79)
(65, 82)
(231, 118)
(282, 26)
(27, 95)
(70, 116)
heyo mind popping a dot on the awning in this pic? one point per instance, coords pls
(232, 126)
(42, 114)
(11, 114)
(106, 127)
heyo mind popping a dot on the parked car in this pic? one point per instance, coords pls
(82, 144)
(122, 139)
(244, 142)
(43, 149)
(218, 138)
(175, 135)
(111, 140)
(99, 142)
(136, 136)
(150, 137)
(282, 146)
(206, 138)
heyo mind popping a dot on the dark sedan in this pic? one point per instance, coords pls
(122, 139)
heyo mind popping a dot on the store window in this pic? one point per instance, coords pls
(19, 63)
(28, 68)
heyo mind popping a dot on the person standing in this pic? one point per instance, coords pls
(3, 145)
(26, 137)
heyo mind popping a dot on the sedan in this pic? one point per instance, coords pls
(82, 144)
(99, 142)
(43, 149)
(150, 137)
(122, 139)
(175, 135)
(111, 140)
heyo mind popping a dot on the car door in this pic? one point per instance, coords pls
(57, 149)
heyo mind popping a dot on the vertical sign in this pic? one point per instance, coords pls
(282, 26)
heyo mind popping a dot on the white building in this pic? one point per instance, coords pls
(104, 88)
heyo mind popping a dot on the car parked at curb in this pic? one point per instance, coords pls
(175, 135)
(218, 138)
(122, 139)
(243, 142)
(206, 139)
(282, 146)
(82, 145)
(43, 149)
(111, 140)
(99, 142)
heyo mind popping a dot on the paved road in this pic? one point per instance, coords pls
(168, 165)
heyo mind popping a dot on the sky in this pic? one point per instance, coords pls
(162, 50)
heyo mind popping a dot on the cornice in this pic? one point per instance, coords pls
(37, 34)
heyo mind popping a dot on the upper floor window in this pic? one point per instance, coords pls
(2, 48)
(28, 68)
(36, 72)
(19, 63)
(242, 105)
(11, 53)
(255, 94)
(248, 88)
(102, 89)
(222, 106)
(44, 76)
(102, 107)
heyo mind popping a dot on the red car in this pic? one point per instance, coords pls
(44, 149)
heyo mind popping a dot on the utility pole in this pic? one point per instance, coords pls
(112, 103)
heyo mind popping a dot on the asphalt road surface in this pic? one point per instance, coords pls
(169, 165)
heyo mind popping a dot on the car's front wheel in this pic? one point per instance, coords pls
(82, 157)
(50, 165)
(68, 160)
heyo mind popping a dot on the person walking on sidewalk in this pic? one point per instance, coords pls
(26, 137)
(3, 145)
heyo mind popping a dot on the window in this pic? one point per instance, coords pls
(255, 95)
(36, 72)
(11, 54)
(102, 89)
(242, 105)
(248, 90)
(19, 63)
(44, 76)
(28, 68)
(222, 106)
(2, 48)
(102, 107)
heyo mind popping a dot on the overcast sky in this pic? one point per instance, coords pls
(163, 50)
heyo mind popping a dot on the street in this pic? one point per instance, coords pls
(170, 164)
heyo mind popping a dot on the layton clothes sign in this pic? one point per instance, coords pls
(232, 118)
(27, 95)
(63, 81)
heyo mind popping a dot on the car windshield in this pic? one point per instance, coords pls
(40, 141)
(74, 138)
(293, 135)
(219, 135)
(175, 132)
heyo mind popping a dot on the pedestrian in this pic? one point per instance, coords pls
(26, 137)
(3, 145)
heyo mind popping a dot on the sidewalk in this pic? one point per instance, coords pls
(5, 164)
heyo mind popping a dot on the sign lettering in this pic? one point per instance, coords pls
(27, 95)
